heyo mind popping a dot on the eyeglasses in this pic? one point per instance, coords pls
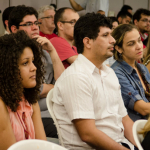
(48, 17)
(29, 24)
(145, 20)
(72, 22)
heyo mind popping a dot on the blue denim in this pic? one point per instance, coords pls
(131, 87)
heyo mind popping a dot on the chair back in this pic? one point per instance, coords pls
(138, 126)
(34, 144)
(50, 108)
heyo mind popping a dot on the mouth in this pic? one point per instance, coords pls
(33, 77)
(35, 34)
(111, 48)
(139, 53)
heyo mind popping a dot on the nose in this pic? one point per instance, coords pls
(139, 45)
(35, 27)
(33, 67)
(112, 40)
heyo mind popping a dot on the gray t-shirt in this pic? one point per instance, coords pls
(49, 79)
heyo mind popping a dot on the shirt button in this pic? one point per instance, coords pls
(129, 93)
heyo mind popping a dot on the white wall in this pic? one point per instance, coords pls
(114, 5)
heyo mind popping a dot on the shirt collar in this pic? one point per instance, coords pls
(91, 67)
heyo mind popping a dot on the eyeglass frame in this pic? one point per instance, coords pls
(48, 17)
(71, 22)
(31, 24)
(145, 20)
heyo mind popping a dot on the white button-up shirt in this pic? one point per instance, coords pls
(84, 92)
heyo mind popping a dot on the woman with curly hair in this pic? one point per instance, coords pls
(21, 74)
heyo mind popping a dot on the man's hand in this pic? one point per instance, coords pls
(45, 43)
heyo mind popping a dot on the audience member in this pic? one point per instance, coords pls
(25, 18)
(127, 8)
(101, 12)
(134, 78)
(146, 133)
(5, 17)
(124, 17)
(46, 17)
(141, 19)
(65, 19)
(114, 22)
(21, 76)
(91, 5)
(87, 97)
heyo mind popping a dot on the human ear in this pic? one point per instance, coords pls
(87, 42)
(119, 49)
(14, 29)
(135, 22)
(119, 20)
(60, 25)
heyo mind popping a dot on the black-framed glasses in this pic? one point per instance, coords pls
(29, 24)
(145, 20)
(72, 22)
(48, 17)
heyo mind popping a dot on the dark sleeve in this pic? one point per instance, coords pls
(146, 142)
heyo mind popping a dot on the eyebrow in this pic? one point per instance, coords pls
(133, 40)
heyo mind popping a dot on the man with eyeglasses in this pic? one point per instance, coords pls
(141, 19)
(46, 17)
(65, 19)
(25, 18)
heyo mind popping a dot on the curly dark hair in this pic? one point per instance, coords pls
(11, 89)
(89, 26)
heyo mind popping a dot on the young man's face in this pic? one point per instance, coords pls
(125, 20)
(143, 24)
(103, 45)
(31, 30)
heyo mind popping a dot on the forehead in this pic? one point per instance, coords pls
(29, 18)
(70, 14)
(27, 52)
(104, 30)
(49, 12)
(144, 16)
(127, 18)
(131, 35)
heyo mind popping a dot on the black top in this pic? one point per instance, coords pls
(146, 142)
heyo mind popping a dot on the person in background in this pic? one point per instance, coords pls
(65, 19)
(133, 77)
(5, 17)
(21, 76)
(127, 8)
(46, 17)
(101, 12)
(91, 5)
(26, 18)
(141, 20)
(124, 17)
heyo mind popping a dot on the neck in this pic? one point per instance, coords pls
(46, 30)
(70, 41)
(131, 62)
(96, 61)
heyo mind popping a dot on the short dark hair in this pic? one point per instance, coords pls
(18, 13)
(119, 34)
(113, 19)
(89, 26)
(126, 7)
(11, 89)
(6, 14)
(59, 15)
(139, 12)
(124, 14)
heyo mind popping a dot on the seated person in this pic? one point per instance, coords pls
(21, 74)
(146, 133)
(46, 17)
(26, 18)
(124, 17)
(134, 78)
(65, 19)
(87, 98)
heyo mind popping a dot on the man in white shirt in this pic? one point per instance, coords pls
(91, 5)
(87, 97)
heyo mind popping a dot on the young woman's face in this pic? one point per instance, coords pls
(115, 25)
(27, 68)
(132, 48)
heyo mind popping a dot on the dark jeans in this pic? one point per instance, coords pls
(127, 146)
(49, 127)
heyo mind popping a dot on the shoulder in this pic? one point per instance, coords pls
(117, 66)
